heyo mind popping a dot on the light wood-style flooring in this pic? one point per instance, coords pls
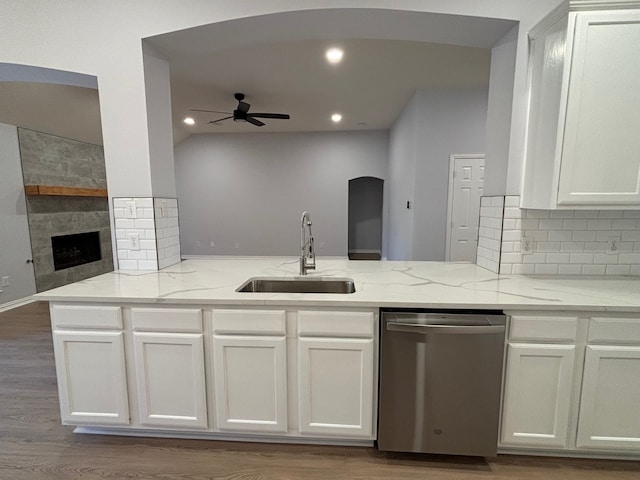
(34, 445)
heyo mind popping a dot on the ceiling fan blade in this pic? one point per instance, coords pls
(281, 116)
(243, 106)
(221, 119)
(208, 111)
(255, 122)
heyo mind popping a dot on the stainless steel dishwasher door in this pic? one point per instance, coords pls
(440, 378)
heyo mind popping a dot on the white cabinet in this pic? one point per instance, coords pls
(537, 394)
(169, 364)
(336, 373)
(577, 388)
(335, 378)
(170, 381)
(250, 370)
(610, 403)
(88, 343)
(583, 150)
(539, 373)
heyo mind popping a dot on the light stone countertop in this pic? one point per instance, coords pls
(213, 281)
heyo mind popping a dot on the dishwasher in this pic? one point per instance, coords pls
(440, 380)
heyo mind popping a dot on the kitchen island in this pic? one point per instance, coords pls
(180, 352)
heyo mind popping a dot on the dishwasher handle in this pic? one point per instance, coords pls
(443, 329)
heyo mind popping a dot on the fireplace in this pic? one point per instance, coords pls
(76, 249)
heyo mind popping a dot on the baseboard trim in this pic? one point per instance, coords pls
(226, 437)
(17, 303)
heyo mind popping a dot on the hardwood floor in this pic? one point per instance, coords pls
(34, 445)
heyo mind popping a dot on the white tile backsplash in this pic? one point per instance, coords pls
(566, 242)
(156, 224)
(490, 232)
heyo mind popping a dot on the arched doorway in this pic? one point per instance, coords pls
(365, 218)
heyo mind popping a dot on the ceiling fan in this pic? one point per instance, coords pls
(241, 113)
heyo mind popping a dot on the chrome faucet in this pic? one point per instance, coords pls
(307, 254)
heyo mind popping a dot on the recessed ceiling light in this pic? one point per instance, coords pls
(334, 55)
(336, 117)
(189, 121)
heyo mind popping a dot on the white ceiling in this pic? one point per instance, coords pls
(63, 110)
(369, 87)
(278, 62)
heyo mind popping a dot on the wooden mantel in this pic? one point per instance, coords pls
(64, 191)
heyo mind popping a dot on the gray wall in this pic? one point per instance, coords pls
(503, 64)
(365, 214)
(245, 192)
(402, 170)
(15, 246)
(436, 124)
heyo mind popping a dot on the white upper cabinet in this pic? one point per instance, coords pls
(583, 146)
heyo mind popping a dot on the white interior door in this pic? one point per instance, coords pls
(466, 179)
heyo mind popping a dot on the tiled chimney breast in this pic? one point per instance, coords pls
(565, 242)
(56, 161)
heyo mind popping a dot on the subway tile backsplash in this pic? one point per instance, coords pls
(155, 227)
(490, 232)
(566, 242)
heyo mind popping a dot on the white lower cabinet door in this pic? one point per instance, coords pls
(335, 381)
(92, 380)
(170, 379)
(610, 404)
(537, 395)
(250, 383)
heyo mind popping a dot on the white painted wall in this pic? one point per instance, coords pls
(15, 244)
(402, 169)
(158, 99)
(450, 121)
(503, 63)
(104, 39)
(435, 124)
(250, 189)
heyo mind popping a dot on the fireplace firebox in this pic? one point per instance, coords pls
(76, 249)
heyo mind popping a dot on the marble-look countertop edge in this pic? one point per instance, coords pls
(429, 285)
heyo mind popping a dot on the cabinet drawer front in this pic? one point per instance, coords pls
(259, 322)
(533, 328)
(335, 324)
(188, 320)
(614, 330)
(85, 316)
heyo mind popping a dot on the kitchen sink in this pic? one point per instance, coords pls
(298, 285)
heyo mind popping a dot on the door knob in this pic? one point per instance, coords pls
(29, 260)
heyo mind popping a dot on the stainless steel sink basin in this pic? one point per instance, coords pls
(298, 285)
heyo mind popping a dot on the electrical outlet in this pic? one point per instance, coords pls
(5, 281)
(212, 243)
(613, 245)
(526, 246)
(321, 245)
(134, 241)
(163, 208)
(198, 244)
(130, 210)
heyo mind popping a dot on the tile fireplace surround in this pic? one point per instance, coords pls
(51, 160)
(565, 242)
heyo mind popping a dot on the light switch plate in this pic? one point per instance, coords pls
(130, 210)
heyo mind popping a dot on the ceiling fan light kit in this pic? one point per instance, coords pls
(241, 113)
